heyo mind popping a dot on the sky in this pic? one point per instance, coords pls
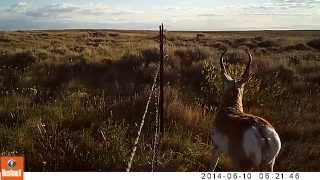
(198, 15)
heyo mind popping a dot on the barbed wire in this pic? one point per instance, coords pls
(142, 121)
(156, 135)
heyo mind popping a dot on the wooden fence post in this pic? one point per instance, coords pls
(161, 81)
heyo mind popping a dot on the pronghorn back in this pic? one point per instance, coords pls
(251, 139)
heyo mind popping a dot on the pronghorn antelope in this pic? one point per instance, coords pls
(250, 141)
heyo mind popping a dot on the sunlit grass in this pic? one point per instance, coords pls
(73, 101)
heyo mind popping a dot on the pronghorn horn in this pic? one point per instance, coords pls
(223, 68)
(247, 73)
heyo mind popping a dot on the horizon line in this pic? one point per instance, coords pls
(151, 30)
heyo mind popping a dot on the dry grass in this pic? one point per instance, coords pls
(72, 100)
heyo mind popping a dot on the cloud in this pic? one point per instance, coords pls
(294, 4)
(18, 7)
(209, 15)
(74, 12)
(55, 10)
(284, 8)
(268, 14)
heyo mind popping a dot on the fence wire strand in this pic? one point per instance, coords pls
(156, 135)
(142, 121)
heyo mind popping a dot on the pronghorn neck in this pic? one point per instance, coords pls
(233, 99)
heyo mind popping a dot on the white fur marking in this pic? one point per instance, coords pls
(275, 145)
(252, 146)
(220, 140)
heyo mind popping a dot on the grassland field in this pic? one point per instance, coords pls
(73, 100)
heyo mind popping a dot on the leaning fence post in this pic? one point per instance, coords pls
(161, 82)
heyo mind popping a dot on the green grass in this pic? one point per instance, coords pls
(73, 100)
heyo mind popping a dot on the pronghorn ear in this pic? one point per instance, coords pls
(247, 73)
(224, 73)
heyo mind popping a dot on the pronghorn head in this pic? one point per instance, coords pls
(233, 89)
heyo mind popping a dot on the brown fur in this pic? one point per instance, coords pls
(233, 122)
